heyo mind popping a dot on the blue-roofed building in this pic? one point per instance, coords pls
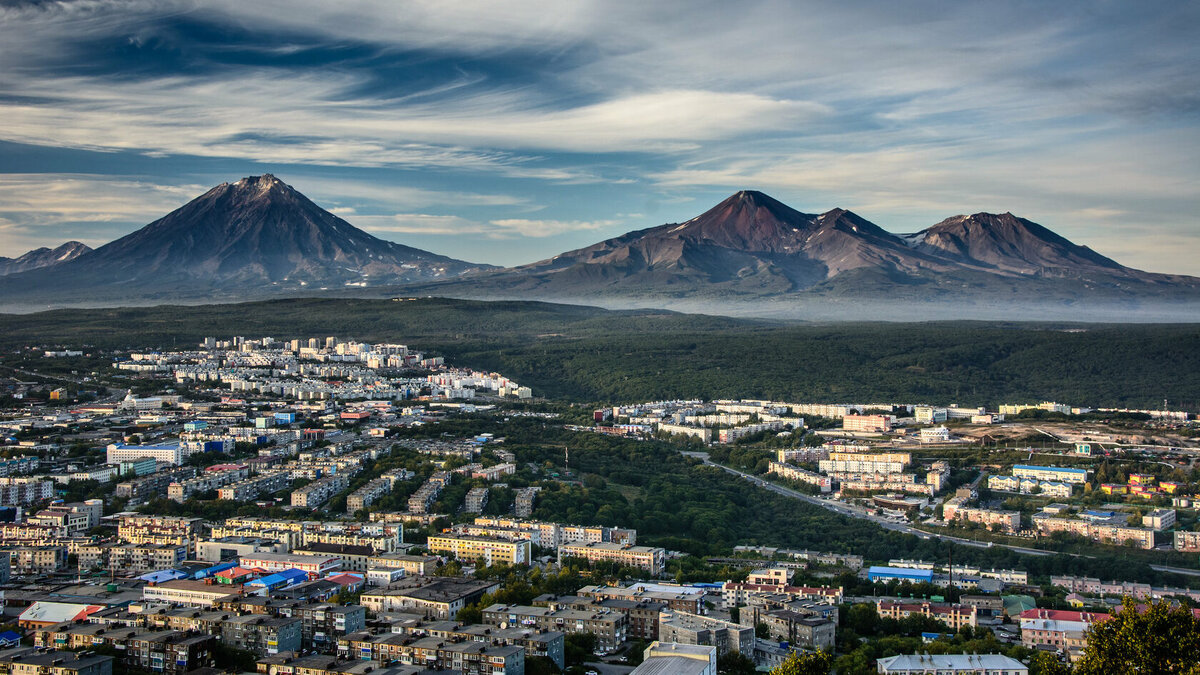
(1050, 473)
(10, 638)
(209, 571)
(279, 580)
(877, 573)
(163, 575)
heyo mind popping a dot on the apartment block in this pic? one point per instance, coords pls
(954, 616)
(171, 454)
(433, 597)
(352, 558)
(367, 494)
(21, 491)
(34, 560)
(647, 558)
(1187, 542)
(313, 565)
(683, 600)
(419, 565)
(693, 629)
(608, 626)
(24, 662)
(1057, 629)
(321, 624)
(865, 463)
(476, 500)
(154, 484)
(320, 491)
(950, 664)
(1159, 519)
(492, 551)
(1050, 473)
(1106, 532)
(545, 643)
(229, 548)
(524, 501)
(151, 529)
(130, 559)
(421, 500)
(188, 592)
(867, 423)
(210, 479)
(257, 486)
(800, 629)
(1009, 521)
(825, 483)
(262, 634)
(467, 657)
(641, 616)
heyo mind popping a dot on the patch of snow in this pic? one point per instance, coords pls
(680, 227)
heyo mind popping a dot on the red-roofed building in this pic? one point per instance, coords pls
(1057, 628)
(350, 582)
(235, 575)
(42, 614)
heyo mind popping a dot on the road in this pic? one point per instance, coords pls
(608, 668)
(1176, 570)
(856, 512)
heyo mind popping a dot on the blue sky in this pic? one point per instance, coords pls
(507, 132)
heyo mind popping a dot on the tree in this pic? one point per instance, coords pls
(807, 663)
(540, 665)
(1160, 639)
(734, 663)
(1045, 663)
(579, 647)
(761, 631)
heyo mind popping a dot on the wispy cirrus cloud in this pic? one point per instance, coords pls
(1080, 116)
(506, 228)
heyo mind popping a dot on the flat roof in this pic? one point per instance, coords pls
(1049, 468)
(938, 662)
(905, 571)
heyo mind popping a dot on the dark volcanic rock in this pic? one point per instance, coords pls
(43, 257)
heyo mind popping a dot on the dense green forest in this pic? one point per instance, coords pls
(587, 354)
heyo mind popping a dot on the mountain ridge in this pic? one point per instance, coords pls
(43, 257)
(752, 247)
(255, 237)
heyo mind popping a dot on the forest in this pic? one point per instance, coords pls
(585, 354)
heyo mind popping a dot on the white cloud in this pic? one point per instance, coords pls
(504, 228)
(36, 206)
(546, 228)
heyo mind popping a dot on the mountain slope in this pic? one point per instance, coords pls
(749, 244)
(251, 238)
(1008, 244)
(43, 257)
(752, 254)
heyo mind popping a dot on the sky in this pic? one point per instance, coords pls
(507, 132)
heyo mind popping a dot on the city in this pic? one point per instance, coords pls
(272, 505)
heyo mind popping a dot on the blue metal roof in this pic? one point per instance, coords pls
(286, 577)
(1050, 468)
(899, 572)
(162, 575)
(209, 571)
